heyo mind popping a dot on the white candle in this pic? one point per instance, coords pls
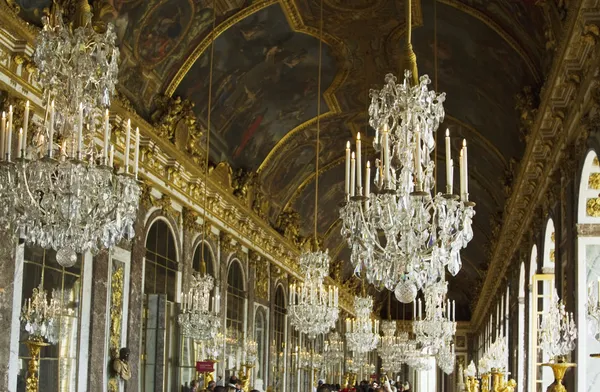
(415, 308)
(462, 174)
(376, 135)
(2, 134)
(8, 132)
(420, 313)
(20, 143)
(386, 154)
(448, 161)
(347, 169)
(111, 159)
(51, 130)
(453, 310)
(25, 128)
(106, 135)
(368, 180)
(9, 143)
(358, 165)
(451, 183)
(598, 291)
(418, 167)
(127, 141)
(466, 169)
(352, 175)
(79, 152)
(136, 156)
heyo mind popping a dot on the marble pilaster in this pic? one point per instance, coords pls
(136, 300)
(98, 349)
(7, 266)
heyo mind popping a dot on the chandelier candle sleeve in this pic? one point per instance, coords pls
(352, 175)
(106, 136)
(358, 165)
(418, 165)
(2, 134)
(127, 141)
(448, 162)
(466, 174)
(461, 163)
(20, 143)
(25, 127)
(111, 159)
(368, 180)
(136, 155)
(9, 143)
(451, 175)
(347, 169)
(386, 154)
(51, 130)
(9, 130)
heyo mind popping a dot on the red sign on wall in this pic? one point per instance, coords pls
(204, 366)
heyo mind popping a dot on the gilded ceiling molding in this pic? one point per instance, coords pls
(510, 40)
(545, 151)
(10, 20)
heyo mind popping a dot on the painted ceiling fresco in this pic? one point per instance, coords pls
(264, 89)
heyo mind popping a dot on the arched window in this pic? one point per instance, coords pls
(260, 335)
(235, 299)
(58, 363)
(521, 326)
(542, 295)
(588, 272)
(161, 261)
(160, 288)
(208, 258)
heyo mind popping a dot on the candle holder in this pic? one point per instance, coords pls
(485, 382)
(40, 318)
(559, 368)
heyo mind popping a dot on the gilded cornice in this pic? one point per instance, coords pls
(557, 125)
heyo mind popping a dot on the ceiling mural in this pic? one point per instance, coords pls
(33, 10)
(264, 84)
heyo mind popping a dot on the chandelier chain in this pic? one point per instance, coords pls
(318, 121)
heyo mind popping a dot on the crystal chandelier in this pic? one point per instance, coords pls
(404, 235)
(214, 347)
(438, 327)
(395, 350)
(313, 307)
(557, 331)
(40, 316)
(593, 311)
(471, 370)
(57, 188)
(334, 348)
(497, 355)
(446, 358)
(199, 318)
(362, 333)
(250, 352)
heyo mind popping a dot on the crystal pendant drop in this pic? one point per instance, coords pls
(66, 257)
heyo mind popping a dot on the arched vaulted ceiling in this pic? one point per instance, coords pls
(264, 88)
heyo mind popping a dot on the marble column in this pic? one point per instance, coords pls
(7, 266)
(98, 349)
(136, 300)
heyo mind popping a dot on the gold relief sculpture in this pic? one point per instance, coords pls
(592, 207)
(261, 278)
(34, 346)
(146, 198)
(226, 244)
(485, 382)
(242, 181)
(190, 220)
(288, 224)
(222, 174)
(594, 181)
(591, 33)
(116, 317)
(526, 105)
(164, 203)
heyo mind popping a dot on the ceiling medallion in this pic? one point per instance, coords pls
(58, 188)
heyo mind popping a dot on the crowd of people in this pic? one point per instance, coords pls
(234, 385)
(366, 386)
